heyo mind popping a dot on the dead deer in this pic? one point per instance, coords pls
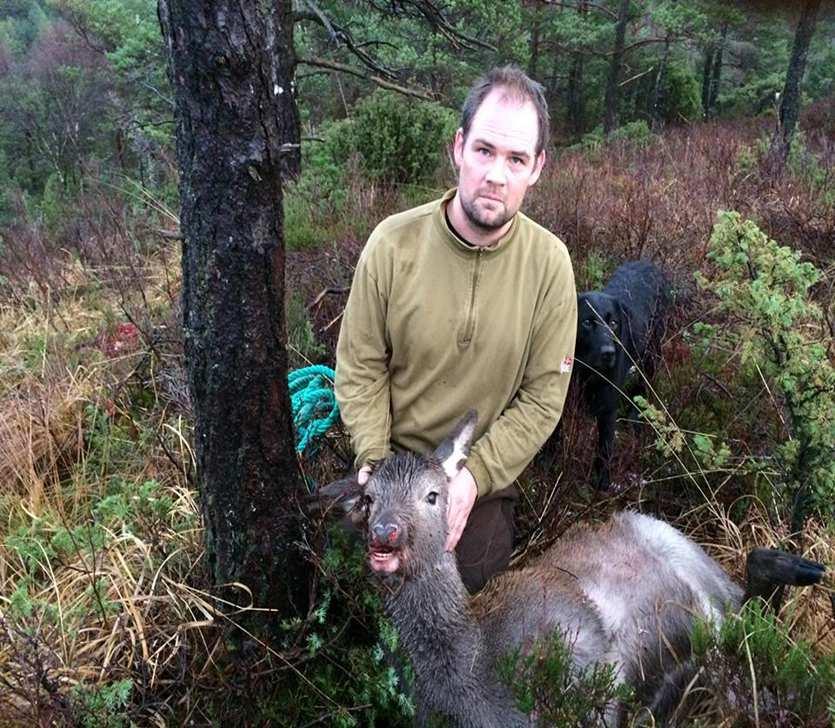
(625, 593)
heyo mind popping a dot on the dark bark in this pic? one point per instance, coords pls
(576, 109)
(790, 99)
(716, 72)
(233, 97)
(707, 74)
(533, 62)
(612, 98)
(576, 106)
(291, 154)
(656, 103)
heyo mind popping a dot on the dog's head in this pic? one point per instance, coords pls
(602, 321)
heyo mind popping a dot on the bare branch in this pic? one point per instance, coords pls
(606, 11)
(433, 15)
(649, 41)
(417, 93)
(341, 36)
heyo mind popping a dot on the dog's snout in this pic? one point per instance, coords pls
(385, 533)
(607, 350)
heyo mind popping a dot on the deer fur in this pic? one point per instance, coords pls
(625, 593)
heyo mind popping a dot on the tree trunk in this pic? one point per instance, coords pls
(790, 100)
(536, 29)
(610, 103)
(716, 72)
(233, 97)
(576, 110)
(575, 94)
(284, 48)
(657, 95)
(707, 74)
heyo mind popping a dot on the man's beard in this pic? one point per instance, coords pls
(477, 219)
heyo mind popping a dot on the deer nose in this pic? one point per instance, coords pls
(385, 532)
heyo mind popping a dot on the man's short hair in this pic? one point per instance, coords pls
(519, 87)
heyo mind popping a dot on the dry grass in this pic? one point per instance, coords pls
(91, 598)
(92, 409)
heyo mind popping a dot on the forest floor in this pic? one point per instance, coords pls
(105, 603)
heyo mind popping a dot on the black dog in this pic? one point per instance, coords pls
(617, 328)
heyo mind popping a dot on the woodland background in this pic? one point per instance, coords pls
(667, 118)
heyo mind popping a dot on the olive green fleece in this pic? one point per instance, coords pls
(434, 327)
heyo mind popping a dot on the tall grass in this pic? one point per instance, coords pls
(106, 613)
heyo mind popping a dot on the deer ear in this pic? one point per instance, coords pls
(342, 494)
(452, 452)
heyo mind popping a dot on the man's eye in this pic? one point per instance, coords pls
(432, 498)
(517, 160)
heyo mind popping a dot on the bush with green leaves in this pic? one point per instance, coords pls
(348, 671)
(637, 132)
(764, 292)
(543, 679)
(102, 706)
(682, 93)
(397, 139)
(760, 674)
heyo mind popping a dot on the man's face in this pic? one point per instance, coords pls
(497, 162)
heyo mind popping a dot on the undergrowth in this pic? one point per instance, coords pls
(107, 614)
(545, 684)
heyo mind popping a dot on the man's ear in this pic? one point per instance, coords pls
(537, 168)
(453, 451)
(458, 147)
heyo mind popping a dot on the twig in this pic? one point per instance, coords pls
(417, 93)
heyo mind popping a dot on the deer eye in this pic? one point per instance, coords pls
(432, 498)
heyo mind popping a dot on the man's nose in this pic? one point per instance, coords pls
(496, 172)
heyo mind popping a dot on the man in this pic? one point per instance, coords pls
(466, 303)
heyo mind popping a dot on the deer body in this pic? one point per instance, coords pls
(626, 593)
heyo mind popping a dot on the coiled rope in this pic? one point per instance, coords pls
(313, 403)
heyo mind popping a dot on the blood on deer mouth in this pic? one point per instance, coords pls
(383, 559)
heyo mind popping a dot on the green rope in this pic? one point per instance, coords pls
(313, 403)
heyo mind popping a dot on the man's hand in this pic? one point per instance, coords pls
(460, 501)
(363, 474)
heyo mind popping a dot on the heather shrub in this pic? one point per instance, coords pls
(764, 290)
(544, 680)
(347, 647)
(760, 675)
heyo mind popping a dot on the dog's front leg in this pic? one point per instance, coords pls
(605, 447)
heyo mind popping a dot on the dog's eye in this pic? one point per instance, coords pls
(432, 498)
(587, 324)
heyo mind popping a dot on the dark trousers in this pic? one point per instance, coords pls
(487, 541)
